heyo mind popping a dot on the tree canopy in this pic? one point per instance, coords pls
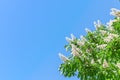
(95, 56)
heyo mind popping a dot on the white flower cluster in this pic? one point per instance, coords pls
(97, 24)
(71, 39)
(80, 42)
(103, 32)
(115, 12)
(101, 46)
(110, 37)
(110, 23)
(88, 30)
(75, 51)
(63, 58)
(105, 64)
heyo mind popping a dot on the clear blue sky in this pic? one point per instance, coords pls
(32, 33)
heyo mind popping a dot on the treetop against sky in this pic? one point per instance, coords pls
(95, 56)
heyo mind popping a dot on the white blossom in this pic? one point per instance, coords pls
(103, 32)
(109, 28)
(63, 58)
(73, 37)
(110, 23)
(80, 42)
(75, 51)
(68, 39)
(115, 12)
(97, 24)
(83, 38)
(118, 65)
(113, 35)
(92, 61)
(87, 30)
(110, 37)
(102, 46)
(105, 64)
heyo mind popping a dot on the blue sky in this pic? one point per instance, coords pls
(32, 33)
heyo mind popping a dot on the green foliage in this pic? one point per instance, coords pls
(117, 26)
(99, 56)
